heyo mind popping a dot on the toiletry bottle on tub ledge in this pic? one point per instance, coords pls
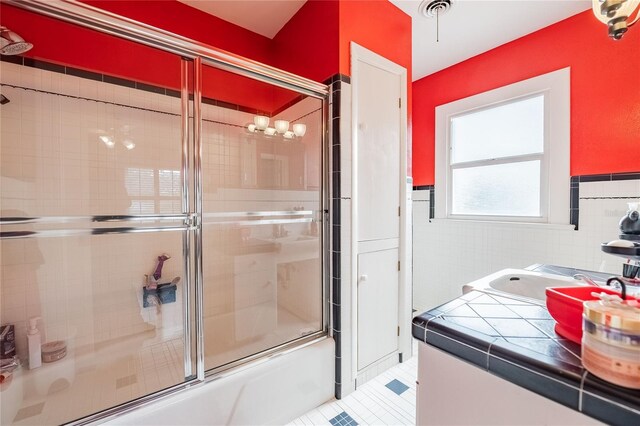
(34, 343)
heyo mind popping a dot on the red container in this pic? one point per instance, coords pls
(565, 306)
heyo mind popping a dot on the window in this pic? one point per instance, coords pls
(504, 154)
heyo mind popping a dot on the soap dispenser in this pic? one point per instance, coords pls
(34, 343)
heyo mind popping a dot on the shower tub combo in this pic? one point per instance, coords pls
(164, 151)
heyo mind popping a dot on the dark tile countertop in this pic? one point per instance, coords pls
(515, 340)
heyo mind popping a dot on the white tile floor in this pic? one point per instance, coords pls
(372, 403)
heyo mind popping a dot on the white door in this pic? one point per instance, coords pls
(379, 85)
(377, 305)
(378, 120)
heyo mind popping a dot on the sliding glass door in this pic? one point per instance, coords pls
(261, 217)
(95, 230)
(159, 218)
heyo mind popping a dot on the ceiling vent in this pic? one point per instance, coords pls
(434, 8)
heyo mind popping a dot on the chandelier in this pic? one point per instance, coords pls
(280, 127)
(619, 15)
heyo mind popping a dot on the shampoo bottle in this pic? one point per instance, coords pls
(34, 343)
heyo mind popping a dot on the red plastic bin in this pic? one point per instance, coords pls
(565, 306)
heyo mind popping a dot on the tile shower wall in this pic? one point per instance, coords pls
(257, 296)
(88, 290)
(449, 253)
(60, 166)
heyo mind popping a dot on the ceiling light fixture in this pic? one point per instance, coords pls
(433, 9)
(619, 15)
(261, 124)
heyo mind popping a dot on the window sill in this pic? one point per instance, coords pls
(526, 225)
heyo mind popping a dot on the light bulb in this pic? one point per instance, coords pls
(281, 126)
(299, 129)
(269, 131)
(261, 122)
(624, 9)
(107, 141)
(252, 128)
(288, 134)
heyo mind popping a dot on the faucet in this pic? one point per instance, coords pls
(586, 279)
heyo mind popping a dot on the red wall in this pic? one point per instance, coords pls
(58, 42)
(379, 26)
(605, 92)
(178, 18)
(307, 45)
(313, 44)
(82, 48)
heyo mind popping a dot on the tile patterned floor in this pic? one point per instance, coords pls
(383, 400)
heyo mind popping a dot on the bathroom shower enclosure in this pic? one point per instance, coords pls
(135, 153)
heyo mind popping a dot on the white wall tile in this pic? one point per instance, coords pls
(449, 254)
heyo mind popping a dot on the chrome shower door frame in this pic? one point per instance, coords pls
(197, 55)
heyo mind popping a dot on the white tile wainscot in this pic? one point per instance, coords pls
(451, 253)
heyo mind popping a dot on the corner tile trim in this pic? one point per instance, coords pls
(335, 226)
(574, 192)
(432, 198)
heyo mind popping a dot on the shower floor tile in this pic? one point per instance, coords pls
(106, 380)
(30, 411)
(373, 403)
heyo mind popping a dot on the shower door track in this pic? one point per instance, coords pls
(105, 22)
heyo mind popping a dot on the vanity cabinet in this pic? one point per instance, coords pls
(453, 392)
(495, 358)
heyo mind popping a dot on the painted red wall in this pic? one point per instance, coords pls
(58, 42)
(178, 18)
(605, 92)
(313, 44)
(307, 45)
(89, 50)
(377, 25)
(381, 27)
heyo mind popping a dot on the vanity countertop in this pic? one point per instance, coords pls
(515, 339)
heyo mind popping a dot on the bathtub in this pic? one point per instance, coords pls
(521, 282)
(270, 392)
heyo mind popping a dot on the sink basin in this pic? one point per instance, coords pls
(521, 282)
(295, 247)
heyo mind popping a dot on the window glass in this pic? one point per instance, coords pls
(510, 189)
(516, 128)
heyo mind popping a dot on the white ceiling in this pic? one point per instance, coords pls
(265, 17)
(471, 27)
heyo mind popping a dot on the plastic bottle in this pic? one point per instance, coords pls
(34, 343)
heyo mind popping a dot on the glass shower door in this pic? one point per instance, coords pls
(92, 200)
(261, 217)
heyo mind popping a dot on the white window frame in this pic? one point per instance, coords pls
(554, 169)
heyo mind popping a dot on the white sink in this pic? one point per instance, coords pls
(521, 282)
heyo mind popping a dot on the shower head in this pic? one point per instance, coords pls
(4, 100)
(11, 43)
